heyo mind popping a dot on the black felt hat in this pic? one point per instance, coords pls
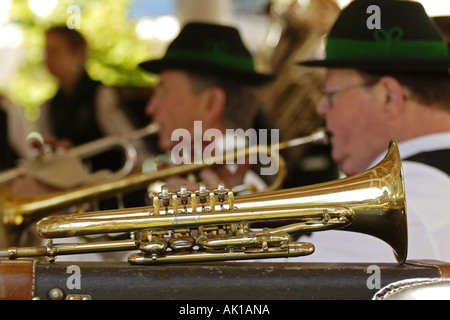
(209, 48)
(405, 40)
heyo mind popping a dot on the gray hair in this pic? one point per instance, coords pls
(429, 89)
(242, 103)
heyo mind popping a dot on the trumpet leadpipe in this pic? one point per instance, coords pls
(148, 130)
(53, 250)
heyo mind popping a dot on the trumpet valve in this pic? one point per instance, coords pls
(221, 193)
(205, 198)
(202, 193)
(164, 197)
(183, 195)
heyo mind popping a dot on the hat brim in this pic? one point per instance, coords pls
(391, 64)
(157, 66)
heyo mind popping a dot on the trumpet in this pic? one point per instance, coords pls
(46, 160)
(213, 225)
(16, 211)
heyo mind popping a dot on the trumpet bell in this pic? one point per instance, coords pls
(376, 196)
(54, 164)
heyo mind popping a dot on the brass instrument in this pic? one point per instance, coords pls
(296, 33)
(215, 226)
(18, 211)
(46, 160)
(15, 209)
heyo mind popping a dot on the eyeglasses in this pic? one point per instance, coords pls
(329, 93)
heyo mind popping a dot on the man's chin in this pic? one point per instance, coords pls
(344, 165)
(336, 157)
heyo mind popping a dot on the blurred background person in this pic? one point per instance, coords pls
(83, 109)
(13, 135)
(207, 75)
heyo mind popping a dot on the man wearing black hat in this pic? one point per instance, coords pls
(388, 77)
(207, 76)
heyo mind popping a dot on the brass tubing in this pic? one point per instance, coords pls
(294, 249)
(372, 203)
(89, 224)
(13, 208)
(67, 248)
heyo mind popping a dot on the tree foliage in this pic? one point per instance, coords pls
(114, 48)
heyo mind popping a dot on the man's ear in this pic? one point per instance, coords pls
(393, 96)
(215, 107)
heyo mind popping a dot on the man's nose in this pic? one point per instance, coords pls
(151, 107)
(322, 108)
